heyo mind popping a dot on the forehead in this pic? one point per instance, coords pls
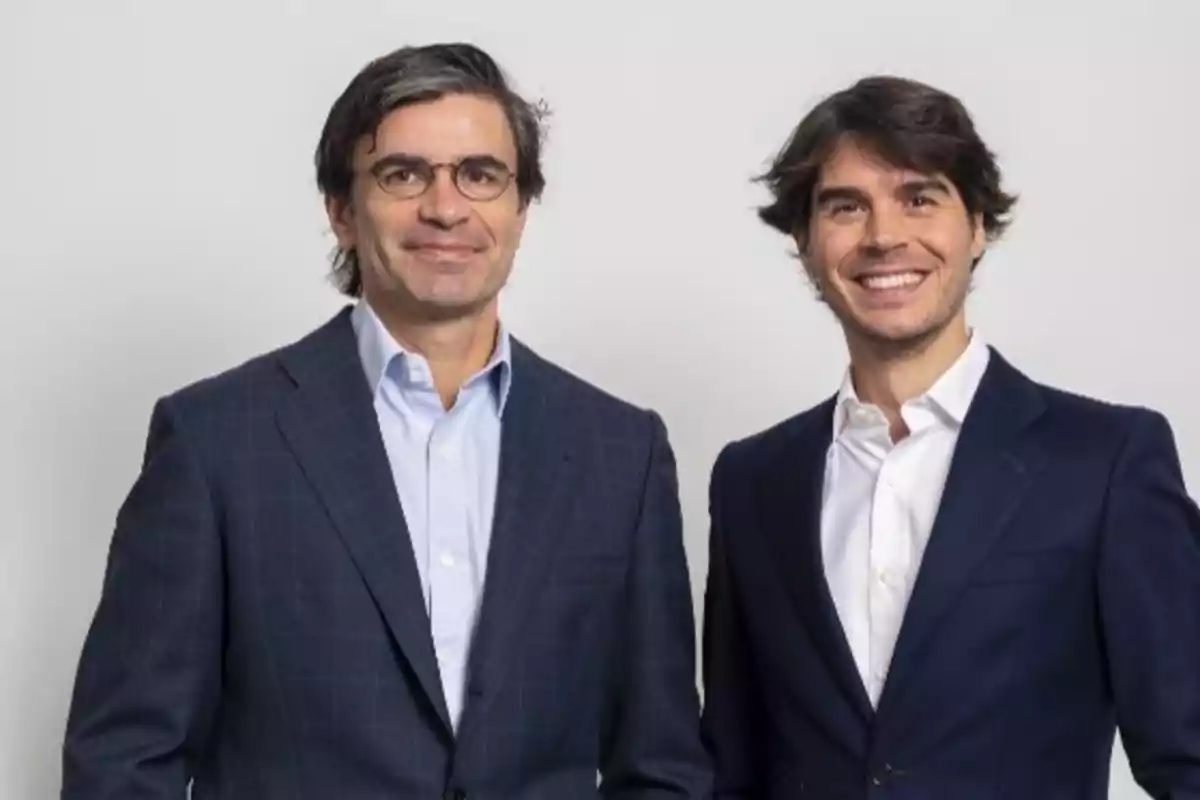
(852, 164)
(446, 129)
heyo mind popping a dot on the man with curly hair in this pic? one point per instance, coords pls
(945, 581)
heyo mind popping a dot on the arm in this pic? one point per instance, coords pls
(148, 678)
(651, 742)
(1149, 585)
(732, 719)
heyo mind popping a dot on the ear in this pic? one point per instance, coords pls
(521, 219)
(978, 237)
(801, 239)
(804, 256)
(341, 218)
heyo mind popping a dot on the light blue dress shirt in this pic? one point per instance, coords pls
(445, 464)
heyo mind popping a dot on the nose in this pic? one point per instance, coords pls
(443, 204)
(885, 229)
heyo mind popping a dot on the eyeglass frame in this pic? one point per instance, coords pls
(429, 174)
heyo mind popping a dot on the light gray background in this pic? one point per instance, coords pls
(160, 223)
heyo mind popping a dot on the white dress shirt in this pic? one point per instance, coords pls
(879, 503)
(444, 463)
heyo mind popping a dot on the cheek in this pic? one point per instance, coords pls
(505, 226)
(384, 221)
(952, 243)
(830, 251)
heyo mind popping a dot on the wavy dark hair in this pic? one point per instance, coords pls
(910, 125)
(414, 75)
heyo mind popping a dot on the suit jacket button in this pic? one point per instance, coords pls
(454, 794)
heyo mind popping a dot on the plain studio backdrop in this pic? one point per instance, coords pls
(161, 222)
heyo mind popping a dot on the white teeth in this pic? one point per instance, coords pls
(895, 281)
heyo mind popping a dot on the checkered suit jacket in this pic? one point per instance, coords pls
(261, 632)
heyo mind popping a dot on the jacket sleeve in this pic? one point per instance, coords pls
(732, 721)
(651, 744)
(148, 678)
(1149, 588)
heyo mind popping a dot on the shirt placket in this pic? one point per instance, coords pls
(885, 594)
(450, 576)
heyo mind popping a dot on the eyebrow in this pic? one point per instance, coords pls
(401, 159)
(919, 185)
(831, 194)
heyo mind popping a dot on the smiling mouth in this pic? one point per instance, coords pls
(891, 281)
(441, 248)
(445, 254)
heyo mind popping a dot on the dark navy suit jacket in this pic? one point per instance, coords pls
(1058, 601)
(262, 632)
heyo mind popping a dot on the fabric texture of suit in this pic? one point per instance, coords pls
(261, 629)
(1058, 602)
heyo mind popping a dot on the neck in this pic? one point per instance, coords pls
(455, 348)
(888, 378)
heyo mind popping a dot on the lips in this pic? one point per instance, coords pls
(890, 280)
(448, 254)
(441, 247)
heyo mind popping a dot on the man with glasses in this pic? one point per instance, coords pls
(404, 556)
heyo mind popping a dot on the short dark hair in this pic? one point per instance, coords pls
(910, 125)
(414, 75)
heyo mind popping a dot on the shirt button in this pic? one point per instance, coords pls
(447, 561)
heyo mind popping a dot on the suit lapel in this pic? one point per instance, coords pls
(331, 427)
(790, 501)
(537, 478)
(991, 468)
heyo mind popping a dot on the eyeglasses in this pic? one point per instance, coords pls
(476, 177)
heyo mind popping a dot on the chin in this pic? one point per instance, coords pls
(444, 307)
(897, 333)
(447, 294)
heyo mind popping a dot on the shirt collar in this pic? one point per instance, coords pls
(949, 398)
(378, 349)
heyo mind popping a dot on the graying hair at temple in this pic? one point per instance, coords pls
(413, 75)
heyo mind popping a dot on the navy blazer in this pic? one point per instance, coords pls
(1058, 599)
(261, 630)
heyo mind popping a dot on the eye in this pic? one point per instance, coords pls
(481, 174)
(400, 176)
(923, 201)
(841, 208)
